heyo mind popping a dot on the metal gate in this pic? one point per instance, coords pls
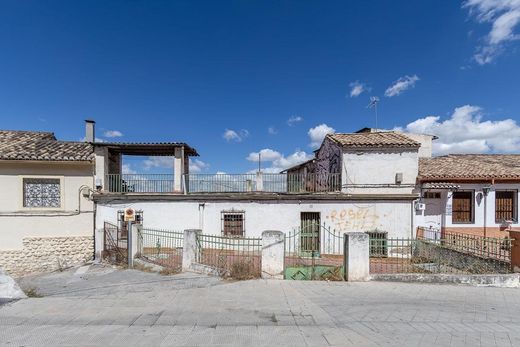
(115, 244)
(314, 251)
(161, 247)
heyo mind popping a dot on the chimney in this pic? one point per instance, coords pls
(90, 132)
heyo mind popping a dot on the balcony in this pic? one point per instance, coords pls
(225, 183)
(140, 183)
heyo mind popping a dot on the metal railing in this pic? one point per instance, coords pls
(403, 255)
(162, 247)
(236, 257)
(221, 183)
(263, 182)
(485, 247)
(140, 183)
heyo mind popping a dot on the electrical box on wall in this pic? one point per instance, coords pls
(419, 206)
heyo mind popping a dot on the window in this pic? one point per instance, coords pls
(462, 207)
(505, 206)
(310, 231)
(42, 192)
(233, 223)
(432, 195)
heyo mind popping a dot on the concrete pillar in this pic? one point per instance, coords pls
(357, 260)
(190, 249)
(273, 252)
(515, 250)
(259, 181)
(178, 169)
(132, 243)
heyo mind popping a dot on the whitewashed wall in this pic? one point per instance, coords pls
(395, 217)
(380, 168)
(423, 218)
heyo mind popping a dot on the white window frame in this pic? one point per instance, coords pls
(22, 193)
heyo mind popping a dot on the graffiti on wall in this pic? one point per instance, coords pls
(354, 219)
(328, 158)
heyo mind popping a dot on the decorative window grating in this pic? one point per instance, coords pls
(505, 206)
(233, 223)
(42, 192)
(462, 210)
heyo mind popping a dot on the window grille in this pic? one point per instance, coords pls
(41, 192)
(233, 223)
(462, 207)
(378, 243)
(505, 206)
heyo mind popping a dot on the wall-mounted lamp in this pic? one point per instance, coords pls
(486, 190)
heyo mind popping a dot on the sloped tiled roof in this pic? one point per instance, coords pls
(470, 166)
(33, 145)
(385, 139)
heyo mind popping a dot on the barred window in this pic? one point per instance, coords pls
(41, 192)
(462, 210)
(505, 206)
(233, 223)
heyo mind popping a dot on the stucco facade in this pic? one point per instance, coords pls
(438, 211)
(392, 216)
(70, 223)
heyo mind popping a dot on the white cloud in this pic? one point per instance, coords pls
(293, 120)
(197, 165)
(112, 133)
(466, 132)
(158, 162)
(401, 85)
(236, 136)
(277, 160)
(272, 131)
(356, 89)
(504, 16)
(127, 169)
(318, 133)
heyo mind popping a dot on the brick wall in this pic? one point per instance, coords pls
(45, 254)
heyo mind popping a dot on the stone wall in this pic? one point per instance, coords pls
(45, 254)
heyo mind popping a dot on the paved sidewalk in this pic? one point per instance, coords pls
(192, 310)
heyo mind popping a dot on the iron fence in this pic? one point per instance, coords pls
(265, 182)
(403, 255)
(486, 247)
(140, 183)
(115, 243)
(161, 247)
(235, 257)
(220, 183)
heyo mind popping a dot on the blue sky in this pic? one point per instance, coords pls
(232, 78)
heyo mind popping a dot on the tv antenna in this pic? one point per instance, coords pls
(374, 100)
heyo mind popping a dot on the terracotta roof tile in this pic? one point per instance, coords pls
(470, 166)
(33, 145)
(384, 139)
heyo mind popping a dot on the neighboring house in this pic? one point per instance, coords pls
(469, 193)
(46, 222)
(356, 182)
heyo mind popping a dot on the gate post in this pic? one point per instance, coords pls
(356, 257)
(189, 248)
(133, 243)
(515, 250)
(273, 253)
